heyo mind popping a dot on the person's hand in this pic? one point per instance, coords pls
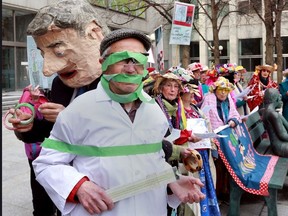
(185, 152)
(231, 124)
(20, 116)
(93, 198)
(187, 189)
(193, 138)
(50, 110)
(245, 98)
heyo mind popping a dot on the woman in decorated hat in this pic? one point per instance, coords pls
(241, 102)
(261, 80)
(167, 90)
(221, 111)
(197, 120)
(283, 87)
(241, 70)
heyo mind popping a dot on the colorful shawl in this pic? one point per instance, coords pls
(244, 164)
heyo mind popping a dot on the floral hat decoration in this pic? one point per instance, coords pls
(231, 67)
(221, 69)
(191, 88)
(221, 82)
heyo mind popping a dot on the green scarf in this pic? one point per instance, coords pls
(171, 109)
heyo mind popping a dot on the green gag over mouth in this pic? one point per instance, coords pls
(125, 78)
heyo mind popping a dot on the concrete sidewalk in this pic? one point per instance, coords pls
(16, 192)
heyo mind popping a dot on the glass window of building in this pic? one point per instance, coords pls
(14, 25)
(7, 25)
(250, 53)
(194, 52)
(8, 69)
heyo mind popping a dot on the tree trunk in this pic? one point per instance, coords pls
(185, 58)
(216, 52)
(279, 47)
(269, 44)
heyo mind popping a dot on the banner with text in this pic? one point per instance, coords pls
(182, 23)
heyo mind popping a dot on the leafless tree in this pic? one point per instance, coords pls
(272, 21)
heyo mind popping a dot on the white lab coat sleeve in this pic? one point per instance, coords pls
(173, 201)
(54, 173)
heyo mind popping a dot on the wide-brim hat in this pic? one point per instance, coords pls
(161, 78)
(265, 67)
(121, 34)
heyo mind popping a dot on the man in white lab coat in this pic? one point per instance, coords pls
(110, 137)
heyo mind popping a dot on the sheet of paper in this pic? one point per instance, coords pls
(199, 126)
(244, 93)
(253, 111)
(208, 135)
(175, 134)
(217, 130)
(143, 185)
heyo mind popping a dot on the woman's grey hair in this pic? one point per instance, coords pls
(74, 14)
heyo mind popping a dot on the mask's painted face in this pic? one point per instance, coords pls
(73, 57)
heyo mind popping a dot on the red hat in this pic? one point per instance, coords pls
(150, 69)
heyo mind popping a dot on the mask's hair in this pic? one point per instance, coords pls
(65, 14)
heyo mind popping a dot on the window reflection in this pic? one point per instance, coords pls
(22, 20)
(8, 75)
(7, 25)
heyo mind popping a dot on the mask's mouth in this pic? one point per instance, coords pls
(68, 75)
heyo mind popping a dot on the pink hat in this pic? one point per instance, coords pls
(195, 66)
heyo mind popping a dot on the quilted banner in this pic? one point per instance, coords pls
(250, 170)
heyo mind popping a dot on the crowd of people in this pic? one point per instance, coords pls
(108, 120)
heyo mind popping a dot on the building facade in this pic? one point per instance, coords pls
(242, 39)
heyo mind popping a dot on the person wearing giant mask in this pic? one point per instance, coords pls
(68, 33)
(109, 139)
(275, 123)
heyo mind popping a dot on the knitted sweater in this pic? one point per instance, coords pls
(211, 101)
